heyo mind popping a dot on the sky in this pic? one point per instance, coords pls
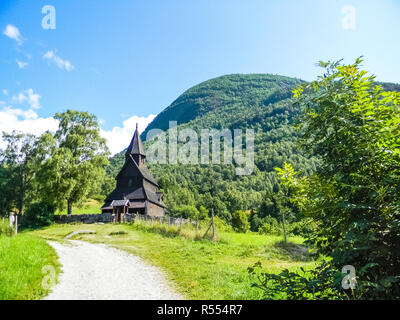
(127, 60)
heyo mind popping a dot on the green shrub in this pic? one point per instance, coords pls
(270, 226)
(39, 214)
(321, 283)
(302, 228)
(5, 228)
(186, 211)
(240, 221)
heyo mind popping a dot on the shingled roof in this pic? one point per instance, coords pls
(136, 145)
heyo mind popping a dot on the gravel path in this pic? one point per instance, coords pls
(98, 272)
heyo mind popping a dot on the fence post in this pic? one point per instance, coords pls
(212, 221)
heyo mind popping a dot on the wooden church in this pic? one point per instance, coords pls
(136, 190)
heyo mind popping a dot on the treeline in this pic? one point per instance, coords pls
(53, 171)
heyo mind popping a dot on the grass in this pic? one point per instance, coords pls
(200, 269)
(22, 259)
(91, 206)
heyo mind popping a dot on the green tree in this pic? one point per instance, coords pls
(353, 125)
(39, 214)
(78, 158)
(203, 213)
(18, 167)
(186, 211)
(283, 199)
(240, 221)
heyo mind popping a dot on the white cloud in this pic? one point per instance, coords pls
(13, 33)
(26, 121)
(5, 92)
(20, 98)
(33, 99)
(61, 63)
(119, 138)
(22, 64)
(27, 96)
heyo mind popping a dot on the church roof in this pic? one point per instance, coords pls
(136, 145)
(142, 169)
(139, 194)
(119, 203)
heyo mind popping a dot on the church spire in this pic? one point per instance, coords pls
(136, 147)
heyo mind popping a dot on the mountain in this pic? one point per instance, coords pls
(262, 102)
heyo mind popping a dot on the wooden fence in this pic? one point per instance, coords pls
(165, 220)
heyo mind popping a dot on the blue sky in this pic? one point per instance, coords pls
(127, 59)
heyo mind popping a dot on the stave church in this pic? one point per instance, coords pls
(136, 191)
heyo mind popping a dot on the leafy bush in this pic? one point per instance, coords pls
(39, 214)
(5, 228)
(322, 283)
(220, 225)
(270, 226)
(186, 211)
(240, 221)
(353, 125)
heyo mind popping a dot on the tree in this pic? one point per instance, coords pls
(282, 200)
(353, 125)
(186, 211)
(203, 213)
(240, 221)
(39, 214)
(18, 167)
(78, 158)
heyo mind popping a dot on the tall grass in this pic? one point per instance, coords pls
(188, 230)
(5, 228)
(22, 259)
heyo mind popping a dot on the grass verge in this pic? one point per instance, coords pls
(22, 259)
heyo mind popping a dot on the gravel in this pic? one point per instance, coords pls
(99, 272)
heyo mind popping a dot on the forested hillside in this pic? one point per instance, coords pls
(262, 102)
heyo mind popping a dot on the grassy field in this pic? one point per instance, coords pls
(91, 206)
(200, 269)
(22, 259)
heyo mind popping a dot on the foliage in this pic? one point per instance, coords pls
(270, 226)
(353, 125)
(5, 228)
(17, 171)
(77, 159)
(39, 214)
(240, 222)
(320, 283)
(187, 212)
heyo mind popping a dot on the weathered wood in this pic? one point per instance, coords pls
(212, 223)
